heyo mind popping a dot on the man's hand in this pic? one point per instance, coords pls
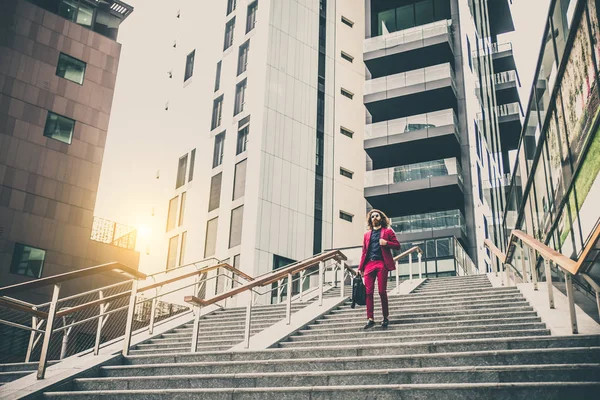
(382, 242)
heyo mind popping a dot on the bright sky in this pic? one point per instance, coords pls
(128, 190)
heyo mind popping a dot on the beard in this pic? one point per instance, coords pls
(376, 223)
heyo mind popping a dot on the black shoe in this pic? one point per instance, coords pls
(370, 323)
(385, 323)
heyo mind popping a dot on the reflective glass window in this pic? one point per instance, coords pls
(70, 68)
(27, 261)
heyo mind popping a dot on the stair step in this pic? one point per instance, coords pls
(437, 304)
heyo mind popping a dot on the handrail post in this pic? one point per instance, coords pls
(279, 290)
(152, 316)
(48, 333)
(130, 316)
(321, 272)
(398, 276)
(288, 307)
(501, 267)
(548, 273)
(523, 269)
(410, 266)
(34, 325)
(507, 272)
(100, 323)
(420, 256)
(532, 266)
(571, 299)
(248, 321)
(301, 280)
(196, 328)
(343, 282)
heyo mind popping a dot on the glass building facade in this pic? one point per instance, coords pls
(554, 191)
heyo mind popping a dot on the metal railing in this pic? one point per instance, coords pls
(504, 77)
(500, 47)
(522, 246)
(413, 172)
(412, 123)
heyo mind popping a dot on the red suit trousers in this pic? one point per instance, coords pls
(376, 270)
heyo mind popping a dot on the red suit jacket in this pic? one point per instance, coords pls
(386, 251)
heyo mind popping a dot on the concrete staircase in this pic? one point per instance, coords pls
(12, 371)
(451, 338)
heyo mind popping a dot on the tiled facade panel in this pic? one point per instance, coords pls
(48, 188)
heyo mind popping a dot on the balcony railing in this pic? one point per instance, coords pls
(504, 77)
(412, 172)
(508, 109)
(408, 36)
(113, 233)
(410, 78)
(500, 47)
(412, 123)
(429, 222)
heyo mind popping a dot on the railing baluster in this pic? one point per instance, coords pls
(571, 300)
(248, 321)
(302, 278)
(523, 269)
(152, 316)
(507, 272)
(196, 329)
(398, 277)
(130, 316)
(420, 256)
(321, 272)
(548, 273)
(532, 266)
(41, 373)
(343, 282)
(410, 266)
(34, 325)
(99, 327)
(288, 308)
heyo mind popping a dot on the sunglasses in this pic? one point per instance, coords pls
(375, 216)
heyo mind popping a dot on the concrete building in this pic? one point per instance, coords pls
(271, 169)
(58, 65)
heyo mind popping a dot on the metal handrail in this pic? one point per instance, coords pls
(520, 240)
(60, 278)
(184, 266)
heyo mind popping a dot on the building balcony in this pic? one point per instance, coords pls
(409, 49)
(416, 188)
(507, 84)
(430, 225)
(509, 121)
(502, 57)
(410, 93)
(501, 20)
(405, 138)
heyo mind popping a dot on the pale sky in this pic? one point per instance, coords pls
(128, 190)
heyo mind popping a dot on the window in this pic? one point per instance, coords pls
(182, 251)
(189, 66)
(217, 111)
(230, 6)
(218, 150)
(251, 16)
(172, 254)
(70, 68)
(346, 216)
(235, 230)
(243, 57)
(218, 77)
(77, 12)
(59, 128)
(242, 139)
(181, 170)
(240, 95)
(214, 199)
(229, 34)
(347, 93)
(346, 173)
(172, 216)
(239, 180)
(27, 261)
(346, 132)
(192, 162)
(347, 57)
(469, 54)
(182, 208)
(210, 243)
(347, 21)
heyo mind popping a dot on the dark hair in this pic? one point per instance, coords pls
(385, 221)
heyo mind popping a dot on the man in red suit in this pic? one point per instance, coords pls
(376, 262)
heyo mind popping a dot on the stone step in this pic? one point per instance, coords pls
(409, 316)
(201, 343)
(496, 302)
(179, 350)
(389, 336)
(573, 355)
(342, 328)
(376, 349)
(441, 286)
(467, 391)
(467, 278)
(225, 337)
(459, 291)
(9, 376)
(400, 330)
(22, 366)
(481, 374)
(210, 333)
(441, 296)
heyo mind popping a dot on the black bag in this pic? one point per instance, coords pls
(359, 292)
